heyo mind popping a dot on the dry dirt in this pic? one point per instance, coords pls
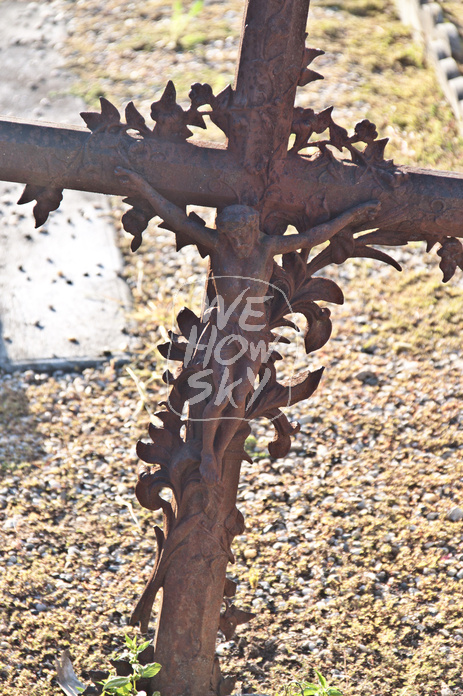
(349, 558)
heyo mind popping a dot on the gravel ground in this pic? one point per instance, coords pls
(353, 554)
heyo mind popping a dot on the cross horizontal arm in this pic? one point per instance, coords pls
(415, 203)
(73, 158)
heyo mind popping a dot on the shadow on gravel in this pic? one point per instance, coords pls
(20, 440)
(3, 351)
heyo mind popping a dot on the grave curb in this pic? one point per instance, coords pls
(444, 47)
(78, 364)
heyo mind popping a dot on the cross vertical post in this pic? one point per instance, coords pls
(268, 74)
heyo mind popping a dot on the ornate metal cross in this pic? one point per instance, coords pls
(282, 165)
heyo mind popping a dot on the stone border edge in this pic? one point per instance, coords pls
(444, 47)
(63, 364)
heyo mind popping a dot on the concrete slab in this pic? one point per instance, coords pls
(62, 302)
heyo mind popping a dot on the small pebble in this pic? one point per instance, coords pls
(250, 553)
(368, 377)
(455, 514)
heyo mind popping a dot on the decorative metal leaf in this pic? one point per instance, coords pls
(303, 387)
(135, 221)
(336, 252)
(162, 436)
(200, 95)
(342, 247)
(187, 321)
(389, 237)
(167, 103)
(173, 351)
(319, 326)
(194, 118)
(160, 451)
(170, 421)
(322, 289)
(229, 589)
(108, 117)
(149, 484)
(135, 120)
(451, 253)
(339, 137)
(30, 193)
(307, 76)
(224, 99)
(278, 395)
(153, 454)
(374, 151)
(170, 118)
(284, 395)
(220, 106)
(142, 612)
(183, 240)
(310, 54)
(365, 252)
(226, 686)
(306, 122)
(293, 264)
(280, 446)
(323, 120)
(221, 686)
(365, 131)
(109, 112)
(233, 617)
(47, 198)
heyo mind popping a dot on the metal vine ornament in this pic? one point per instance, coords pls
(333, 187)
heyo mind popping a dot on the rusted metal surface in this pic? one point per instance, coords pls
(294, 189)
(333, 187)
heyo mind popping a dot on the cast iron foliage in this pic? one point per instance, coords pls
(47, 198)
(173, 459)
(172, 123)
(307, 75)
(173, 463)
(306, 123)
(171, 119)
(451, 254)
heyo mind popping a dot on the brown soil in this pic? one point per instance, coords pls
(349, 558)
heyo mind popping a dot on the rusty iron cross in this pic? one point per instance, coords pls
(333, 187)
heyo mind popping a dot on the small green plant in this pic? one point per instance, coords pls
(127, 686)
(302, 688)
(181, 20)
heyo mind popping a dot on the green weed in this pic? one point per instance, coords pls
(360, 8)
(181, 22)
(250, 445)
(303, 688)
(127, 686)
(90, 93)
